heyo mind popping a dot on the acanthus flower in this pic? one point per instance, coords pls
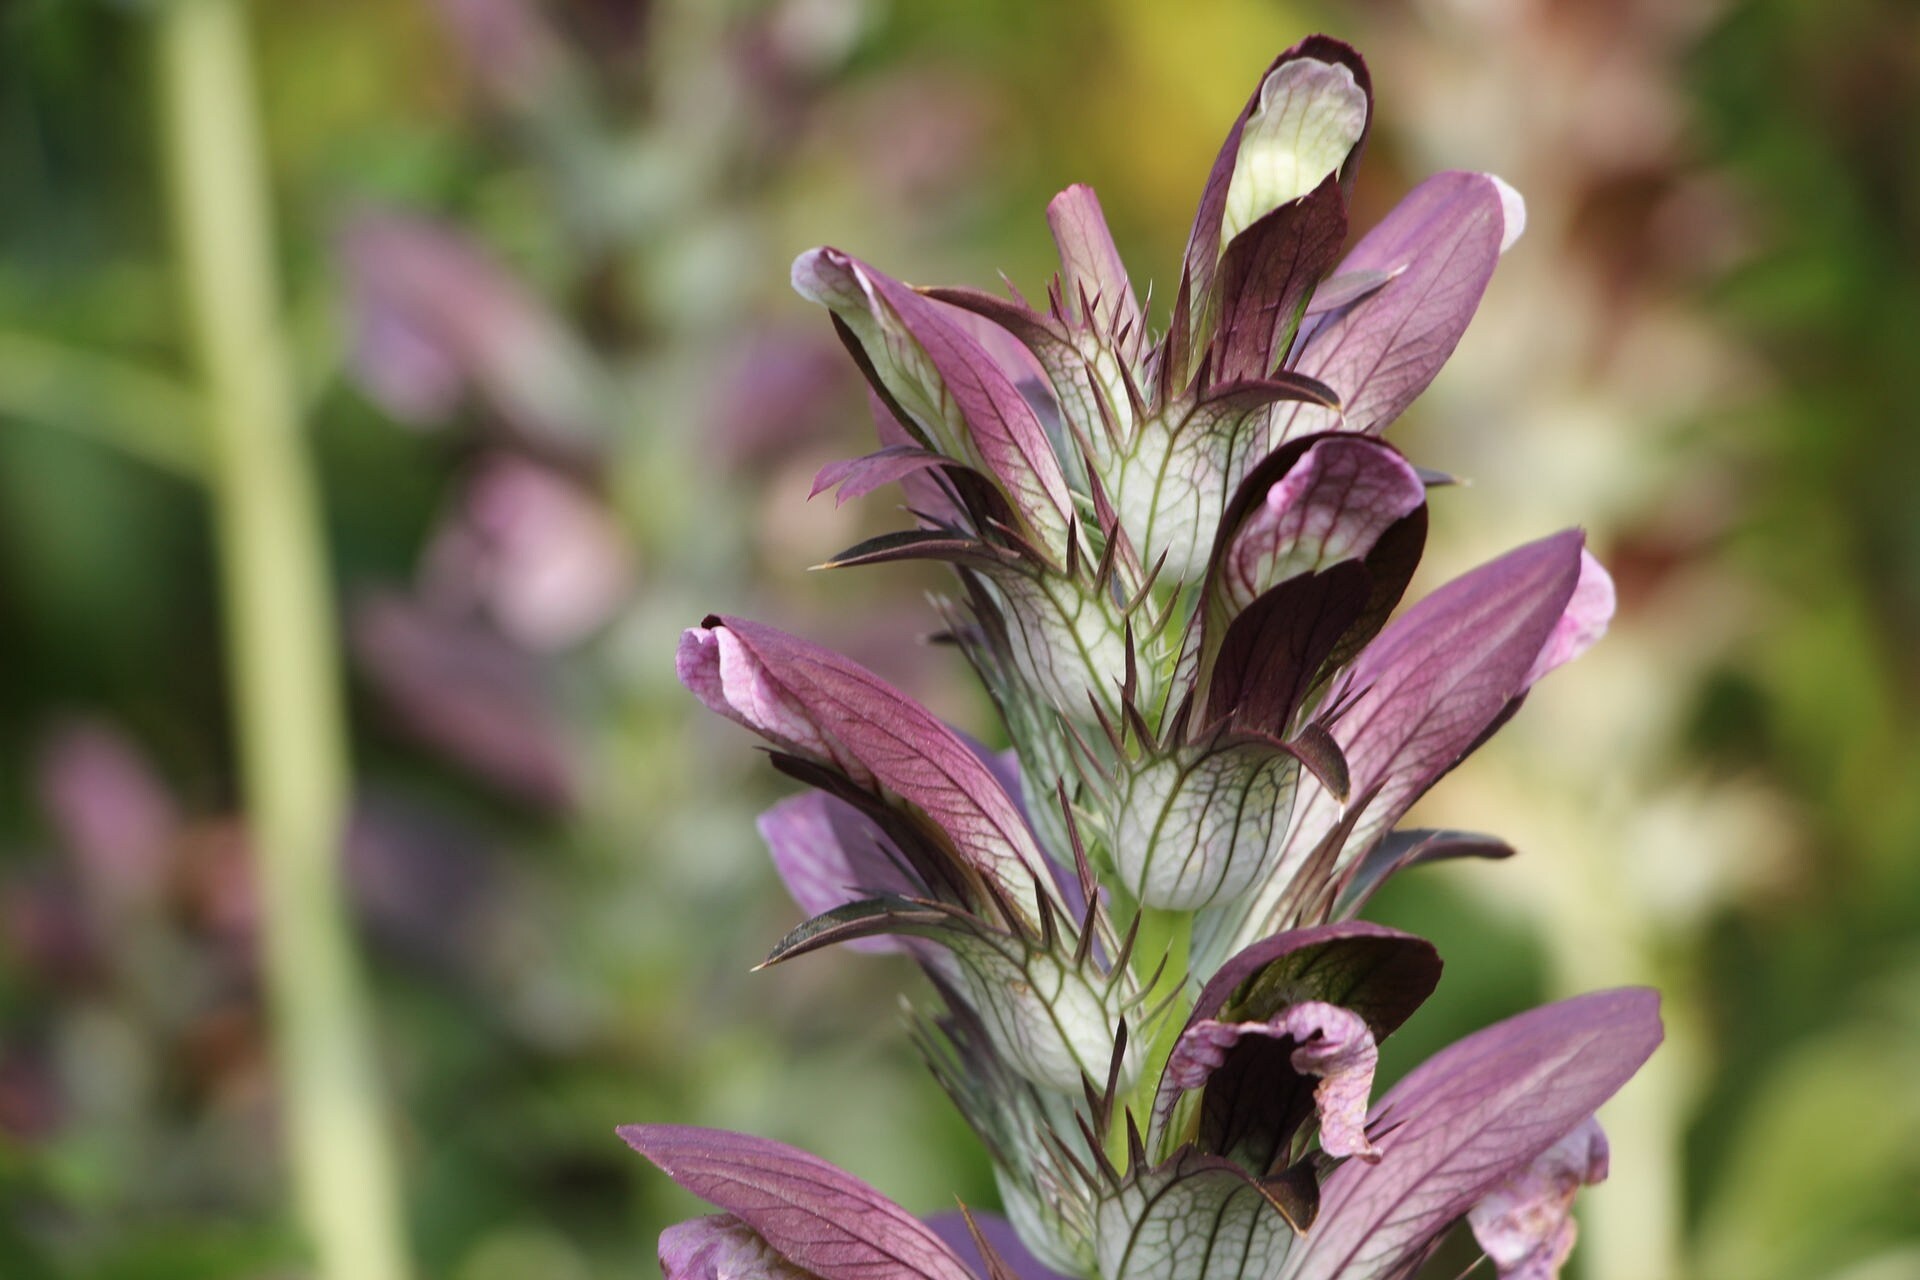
(1181, 561)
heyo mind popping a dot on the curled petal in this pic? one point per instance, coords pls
(1330, 1043)
(1336, 1046)
(1242, 1041)
(1526, 1225)
(821, 1219)
(1332, 505)
(1311, 116)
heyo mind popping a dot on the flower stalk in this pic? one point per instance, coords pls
(282, 654)
(1181, 558)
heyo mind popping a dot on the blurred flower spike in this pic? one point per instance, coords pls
(1181, 561)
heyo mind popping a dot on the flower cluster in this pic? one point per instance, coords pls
(1181, 560)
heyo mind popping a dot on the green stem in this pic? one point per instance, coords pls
(1166, 934)
(281, 637)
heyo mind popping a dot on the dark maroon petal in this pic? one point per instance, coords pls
(1333, 504)
(812, 1214)
(1265, 278)
(1381, 974)
(1274, 649)
(1469, 1118)
(1439, 245)
(1000, 1237)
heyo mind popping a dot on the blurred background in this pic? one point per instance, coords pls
(528, 276)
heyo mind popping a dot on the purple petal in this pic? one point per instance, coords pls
(1090, 265)
(1468, 1119)
(1441, 675)
(461, 688)
(822, 706)
(815, 1216)
(111, 811)
(1439, 245)
(1526, 1225)
(1000, 1237)
(1587, 614)
(858, 477)
(721, 1247)
(830, 854)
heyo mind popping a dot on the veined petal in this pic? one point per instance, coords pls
(1203, 824)
(1438, 247)
(1052, 1019)
(1441, 675)
(1467, 1120)
(1526, 1225)
(721, 1247)
(821, 1219)
(1311, 116)
(828, 709)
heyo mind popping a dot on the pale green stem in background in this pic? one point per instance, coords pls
(282, 646)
